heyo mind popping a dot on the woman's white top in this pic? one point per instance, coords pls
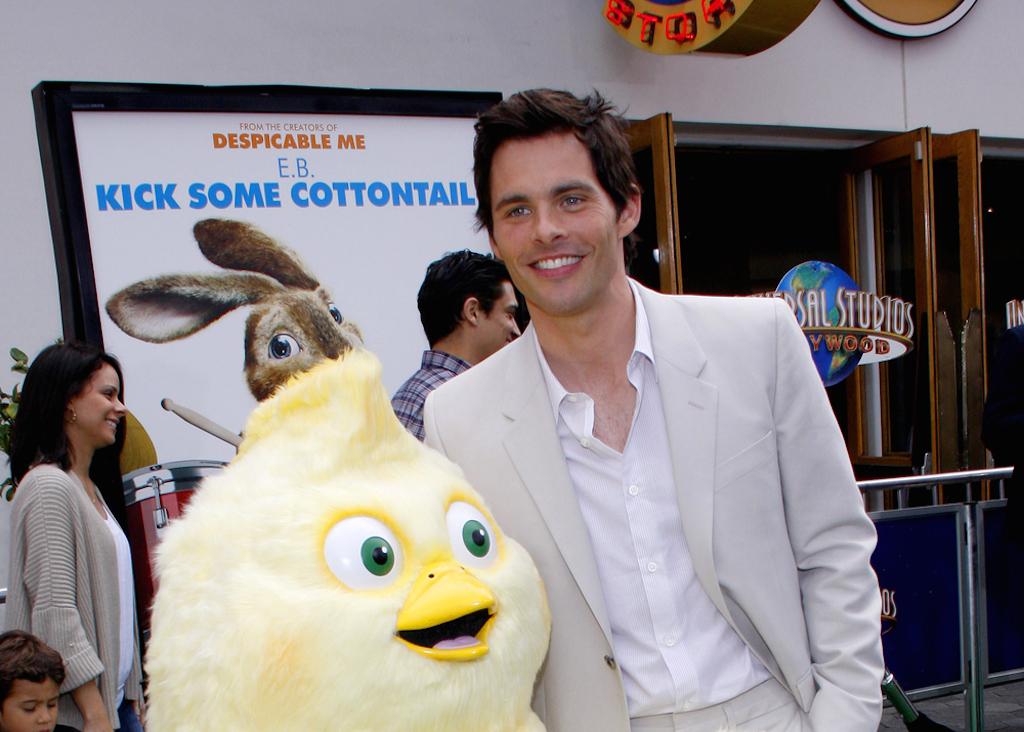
(126, 587)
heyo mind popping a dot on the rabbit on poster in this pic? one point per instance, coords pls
(293, 324)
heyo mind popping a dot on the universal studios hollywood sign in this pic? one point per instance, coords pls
(845, 327)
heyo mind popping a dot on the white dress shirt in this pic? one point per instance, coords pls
(675, 649)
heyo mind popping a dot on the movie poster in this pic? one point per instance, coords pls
(363, 203)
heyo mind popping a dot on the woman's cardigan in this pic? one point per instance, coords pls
(63, 586)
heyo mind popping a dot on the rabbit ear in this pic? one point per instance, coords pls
(170, 307)
(238, 245)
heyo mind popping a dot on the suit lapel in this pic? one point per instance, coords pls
(533, 445)
(691, 420)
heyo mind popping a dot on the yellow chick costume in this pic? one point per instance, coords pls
(338, 575)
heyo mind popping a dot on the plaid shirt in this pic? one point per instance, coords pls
(437, 367)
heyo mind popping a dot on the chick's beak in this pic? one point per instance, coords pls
(447, 615)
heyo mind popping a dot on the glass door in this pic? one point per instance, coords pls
(887, 248)
(912, 229)
(959, 286)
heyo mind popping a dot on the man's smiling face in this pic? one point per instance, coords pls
(555, 227)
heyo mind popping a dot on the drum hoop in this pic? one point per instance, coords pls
(141, 484)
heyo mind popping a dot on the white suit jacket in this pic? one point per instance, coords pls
(772, 516)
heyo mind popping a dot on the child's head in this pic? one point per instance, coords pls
(30, 677)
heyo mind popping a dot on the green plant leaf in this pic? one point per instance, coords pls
(9, 493)
(19, 355)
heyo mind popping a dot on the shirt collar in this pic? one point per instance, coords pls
(440, 360)
(642, 347)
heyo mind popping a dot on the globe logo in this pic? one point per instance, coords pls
(844, 326)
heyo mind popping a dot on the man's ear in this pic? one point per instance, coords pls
(630, 215)
(471, 311)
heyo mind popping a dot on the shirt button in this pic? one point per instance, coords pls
(633, 490)
(652, 567)
(584, 442)
(687, 707)
(670, 641)
(572, 398)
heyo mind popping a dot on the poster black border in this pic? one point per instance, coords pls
(55, 101)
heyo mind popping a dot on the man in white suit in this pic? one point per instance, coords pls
(672, 464)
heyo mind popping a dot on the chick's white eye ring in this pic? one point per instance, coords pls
(363, 553)
(471, 535)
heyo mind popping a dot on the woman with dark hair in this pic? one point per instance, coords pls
(71, 571)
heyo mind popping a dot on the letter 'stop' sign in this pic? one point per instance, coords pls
(721, 26)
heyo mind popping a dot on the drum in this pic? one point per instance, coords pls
(154, 496)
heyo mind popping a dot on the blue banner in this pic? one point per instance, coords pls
(917, 562)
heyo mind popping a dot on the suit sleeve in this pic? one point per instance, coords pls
(1003, 422)
(832, 540)
(431, 436)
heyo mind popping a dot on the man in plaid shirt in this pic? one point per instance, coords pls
(468, 309)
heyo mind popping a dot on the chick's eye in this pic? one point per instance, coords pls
(378, 556)
(282, 346)
(363, 553)
(471, 535)
(476, 538)
(335, 313)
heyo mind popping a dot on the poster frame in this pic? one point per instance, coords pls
(55, 102)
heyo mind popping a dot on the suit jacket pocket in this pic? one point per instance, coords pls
(746, 460)
(805, 691)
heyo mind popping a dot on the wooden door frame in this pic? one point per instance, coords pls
(916, 147)
(656, 134)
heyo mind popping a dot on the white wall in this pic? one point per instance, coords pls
(831, 72)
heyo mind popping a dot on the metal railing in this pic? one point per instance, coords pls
(975, 651)
(933, 481)
(929, 479)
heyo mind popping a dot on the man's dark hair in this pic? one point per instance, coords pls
(23, 656)
(452, 280)
(538, 112)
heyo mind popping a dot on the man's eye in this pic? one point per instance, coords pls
(573, 200)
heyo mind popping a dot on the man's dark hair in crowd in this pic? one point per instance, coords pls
(449, 282)
(592, 120)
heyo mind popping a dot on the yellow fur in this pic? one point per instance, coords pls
(252, 631)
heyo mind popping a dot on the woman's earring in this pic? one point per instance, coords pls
(74, 416)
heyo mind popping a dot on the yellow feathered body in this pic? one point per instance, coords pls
(278, 608)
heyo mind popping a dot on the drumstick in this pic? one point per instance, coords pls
(197, 420)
